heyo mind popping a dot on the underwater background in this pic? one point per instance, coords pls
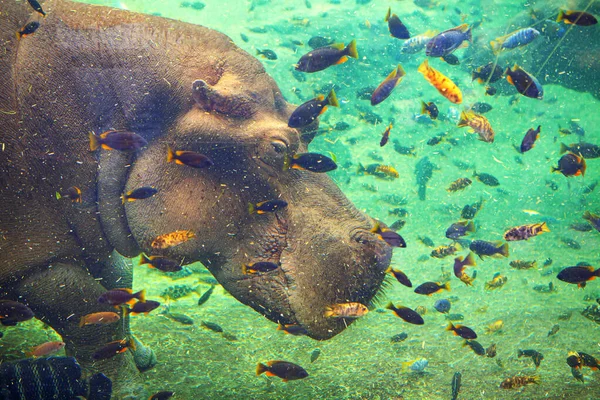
(364, 362)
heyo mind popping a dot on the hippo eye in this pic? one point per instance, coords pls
(279, 146)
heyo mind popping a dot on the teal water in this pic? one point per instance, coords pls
(362, 362)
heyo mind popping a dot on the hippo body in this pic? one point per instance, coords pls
(93, 69)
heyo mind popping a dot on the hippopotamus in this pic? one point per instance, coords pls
(94, 69)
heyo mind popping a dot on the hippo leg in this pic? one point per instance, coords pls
(62, 293)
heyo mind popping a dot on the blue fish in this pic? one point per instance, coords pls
(515, 39)
(386, 87)
(442, 306)
(416, 365)
(446, 42)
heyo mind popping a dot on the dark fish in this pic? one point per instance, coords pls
(519, 381)
(164, 395)
(267, 206)
(314, 355)
(459, 184)
(489, 73)
(589, 361)
(459, 268)
(423, 172)
(117, 140)
(386, 136)
(28, 29)
(554, 330)
(490, 249)
(571, 165)
(307, 112)
(491, 351)
(398, 225)
(456, 385)
(460, 229)
(407, 314)
(161, 263)
(206, 295)
(470, 210)
(292, 329)
(400, 276)
(535, 355)
(490, 90)
(386, 87)
(519, 264)
(142, 307)
(580, 18)
(486, 179)
(587, 150)
(324, 57)
(529, 140)
(282, 369)
(524, 82)
(189, 158)
(443, 306)
(113, 348)
(576, 128)
(571, 243)
(404, 150)
(481, 108)
(244, 37)
(116, 297)
(139, 194)
(258, 267)
(426, 241)
(177, 317)
(462, 331)
(430, 109)
(429, 288)
(212, 326)
(12, 312)
(266, 53)
(451, 59)
(73, 193)
(476, 347)
(401, 337)
(312, 162)
(446, 42)
(578, 275)
(593, 219)
(444, 251)
(455, 317)
(36, 6)
(577, 374)
(387, 235)
(316, 42)
(396, 27)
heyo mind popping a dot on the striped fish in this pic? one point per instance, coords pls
(479, 124)
(515, 39)
(417, 43)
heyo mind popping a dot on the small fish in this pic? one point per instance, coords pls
(314, 355)
(430, 109)
(469, 211)
(389, 236)
(480, 107)
(177, 317)
(514, 39)
(258, 268)
(139, 194)
(176, 292)
(73, 193)
(318, 41)
(417, 43)
(189, 158)
(46, 349)
(172, 239)
(586, 150)
(443, 84)
(398, 225)
(579, 274)
(490, 90)
(455, 317)
(456, 385)
(324, 57)
(494, 327)
(116, 297)
(486, 179)
(346, 310)
(554, 330)
(161, 263)
(524, 232)
(292, 329)
(28, 29)
(518, 264)
(579, 18)
(211, 326)
(570, 165)
(141, 308)
(571, 243)
(313, 162)
(429, 288)
(448, 41)
(489, 73)
(386, 87)
(444, 251)
(594, 219)
(475, 346)
(519, 381)
(459, 184)
(529, 139)
(460, 229)
(309, 111)
(404, 150)
(524, 82)
(442, 306)
(459, 268)
(401, 337)
(479, 124)
(99, 318)
(577, 374)
(426, 241)
(117, 140)
(396, 27)
(267, 206)
(415, 365)
(206, 295)
(266, 53)
(451, 59)
(386, 136)
(163, 395)
(406, 314)
(37, 7)
(490, 249)
(400, 276)
(113, 348)
(379, 170)
(463, 331)
(282, 369)
(535, 355)
(12, 312)
(496, 283)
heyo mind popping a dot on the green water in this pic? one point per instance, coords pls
(362, 362)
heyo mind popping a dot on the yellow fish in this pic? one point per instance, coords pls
(172, 239)
(479, 124)
(442, 83)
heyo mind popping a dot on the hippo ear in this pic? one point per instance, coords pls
(222, 100)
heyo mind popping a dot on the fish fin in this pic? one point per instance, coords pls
(106, 147)
(328, 312)
(283, 380)
(342, 60)
(351, 49)
(170, 154)
(323, 110)
(388, 15)
(581, 285)
(470, 260)
(423, 107)
(141, 295)
(94, 144)
(339, 46)
(464, 119)
(82, 321)
(251, 208)
(561, 16)
(470, 226)
(583, 166)
(563, 148)
(332, 99)
(504, 250)
(509, 78)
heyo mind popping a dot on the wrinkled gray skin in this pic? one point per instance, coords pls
(180, 85)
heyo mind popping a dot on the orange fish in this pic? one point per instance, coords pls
(346, 310)
(479, 124)
(99, 318)
(172, 239)
(45, 349)
(442, 83)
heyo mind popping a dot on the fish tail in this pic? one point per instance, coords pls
(450, 326)
(424, 67)
(390, 305)
(597, 272)
(475, 75)
(583, 166)
(496, 46)
(468, 35)
(470, 260)
(561, 16)
(423, 107)
(244, 269)
(388, 15)
(554, 169)
(126, 311)
(82, 321)
(544, 227)
(470, 226)
(464, 119)
(144, 260)
(94, 144)
(328, 312)
(504, 249)
(123, 198)
(258, 52)
(251, 208)
(170, 154)
(563, 148)
(400, 71)
(535, 379)
(287, 162)
(332, 99)
(446, 286)
(351, 49)
(520, 353)
(58, 196)
(587, 215)
(141, 295)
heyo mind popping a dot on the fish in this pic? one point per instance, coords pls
(138, 194)
(519, 381)
(379, 170)
(37, 7)
(141, 308)
(570, 165)
(469, 211)
(314, 355)
(258, 267)
(211, 326)
(398, 225)
(423, 173)
(524, 82)
(459, 184)
(72, 193)
(120, 140)
(524, 232)
(162, 395)
(535, 355)
(282, 369)
(319, 41)
(456, 379)
(577, 374)
(309, 111)
(579, 275)
(113, 348)
(461, 330)
(415, 365)
(346, 310)
(267, 206)
(392, 238)
(488, 73)
(443, 84)
(267, 53)
(401, 337)
(480, 107)
(586, 150)
(172, 239)
(396, 27)
(486, 179)
(313, 162)
(430, 109)
(176, 292)
(451, 59)
(494, 327)
(404, 150)
(448, 41)
(189, 158)
(385, 136)
(429, 288)
(594, 219)
(571, 243)
(460, 229)
(99, 318)
(388, 85)
(586, 360)
(400, 276)
(442, 306)
(580, 18)
(177, 317)
(514, 39)
(444, 251)
(489, 249)
(45, 349)
(476, 347)
(459, 268)
(206, 295)
(292, 329)
(529, 139)
(490, 90)
(161, 263)
(12, 312)
(426, 241)
(407, 314)
(417, 43)
(479, 124)
(554, 330)
(324, 57)
(28, 29)
(116, 297)
(519, 264)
